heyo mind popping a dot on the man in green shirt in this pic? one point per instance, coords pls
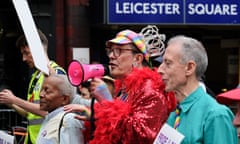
(200, 119)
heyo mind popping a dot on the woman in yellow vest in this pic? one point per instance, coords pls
(30, 108)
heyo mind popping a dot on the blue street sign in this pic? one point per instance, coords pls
(173, 11)
(213, 11)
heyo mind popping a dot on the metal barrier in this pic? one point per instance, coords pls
(6, 118)
(19, 133)
(13, 123)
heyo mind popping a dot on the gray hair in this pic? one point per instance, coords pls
(192, 49)
(64, 85)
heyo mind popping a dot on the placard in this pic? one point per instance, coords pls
(31, 34)
(168, 135)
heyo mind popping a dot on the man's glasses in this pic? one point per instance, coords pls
(116, 51)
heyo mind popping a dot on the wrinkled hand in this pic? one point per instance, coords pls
(99, 90)
(83, 112)
(7, 97)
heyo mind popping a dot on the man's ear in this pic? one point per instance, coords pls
(66, 100)
(190, 67)
(138, 58)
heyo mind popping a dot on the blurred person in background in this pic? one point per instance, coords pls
(231, 98)
(84, 90)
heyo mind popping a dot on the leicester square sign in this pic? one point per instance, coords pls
(223, 12)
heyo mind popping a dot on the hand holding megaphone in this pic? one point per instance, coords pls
(78, 73)
(99, 90)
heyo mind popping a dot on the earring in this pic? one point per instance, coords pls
(134, 64)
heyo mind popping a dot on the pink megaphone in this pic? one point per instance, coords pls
(78, 73)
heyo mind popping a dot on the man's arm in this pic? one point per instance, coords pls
(20, 105)
(30, 107)
(18, 109)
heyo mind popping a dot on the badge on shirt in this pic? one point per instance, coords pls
(44, 133)
(168, 135)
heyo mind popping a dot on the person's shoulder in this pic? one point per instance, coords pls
(69, 116)
(70, 120)
(216, 109)
(145, 73)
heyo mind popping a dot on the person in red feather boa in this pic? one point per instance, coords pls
(141, 107)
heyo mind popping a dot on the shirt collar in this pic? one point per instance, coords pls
(54, 113)
(187, 103)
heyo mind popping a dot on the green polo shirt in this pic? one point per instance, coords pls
(204, 121)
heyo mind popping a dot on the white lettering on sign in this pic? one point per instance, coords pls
(212, 9)
(147, 8)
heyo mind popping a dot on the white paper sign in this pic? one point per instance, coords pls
(82, 55)
(168, 135)
(6, 138)
(31, 34)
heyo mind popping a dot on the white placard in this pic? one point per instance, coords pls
(6, 138)
(168, 135)
(82, 55)
(31, 34)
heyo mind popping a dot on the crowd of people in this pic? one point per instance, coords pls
(149, 85)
